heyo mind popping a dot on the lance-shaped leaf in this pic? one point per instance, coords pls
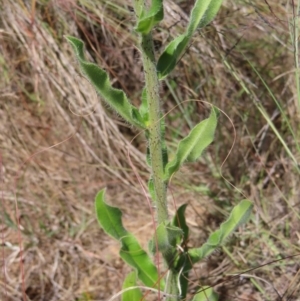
(198, 14)
(138, 6)
(180, 222)
(99, 79)
(110, 219)
(210, 13)
(133, 294)
(149, 18)
(191, 147)
(169, 58)
(202, 13)
(239, 215)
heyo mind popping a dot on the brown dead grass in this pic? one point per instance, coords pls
(60, 145)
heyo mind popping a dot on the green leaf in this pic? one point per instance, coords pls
(182, 264)
(110, 219)
(133, 294)
(202, 13)
(167, 236)
(191, 147)
(150, 18)
(239, 215)
(116, 98)
(206, 294)
(210, 13)
(180, 222)
(138, 6)
(169, 58)
(132, 253)
(165, 239)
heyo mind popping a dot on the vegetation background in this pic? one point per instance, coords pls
(59, 145)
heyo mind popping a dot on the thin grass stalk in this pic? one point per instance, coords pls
(295, 35)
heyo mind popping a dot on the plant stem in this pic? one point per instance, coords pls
(155, 132)
(156, 147)
(172, 287)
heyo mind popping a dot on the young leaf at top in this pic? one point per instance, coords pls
(110, 219)
(133, 294)
(239, 215)
(99, 79)
(191, 147)
(202, 13)
(148, 19)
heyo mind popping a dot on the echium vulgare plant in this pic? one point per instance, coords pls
(171, 233)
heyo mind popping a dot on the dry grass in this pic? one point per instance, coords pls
(59, 145)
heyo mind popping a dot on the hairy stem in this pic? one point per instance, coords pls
(155, 136)
(156, 147)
